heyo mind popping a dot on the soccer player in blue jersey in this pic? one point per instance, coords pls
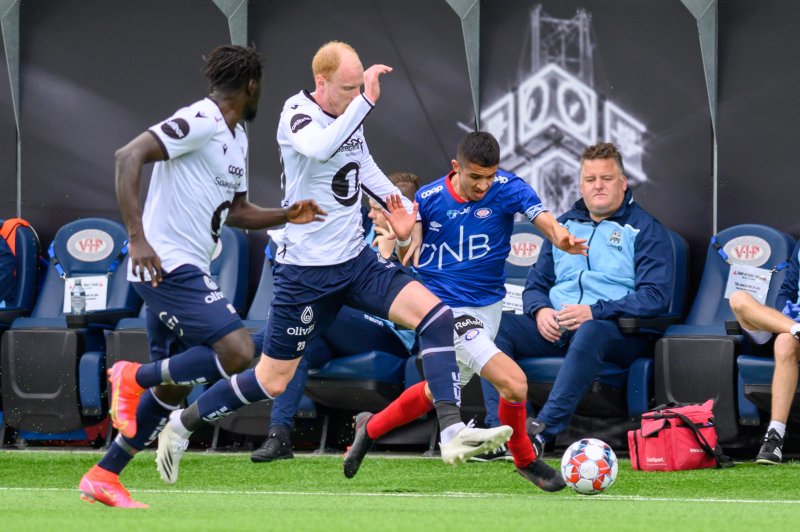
(199, 182)
(326, 265)
(466, 219)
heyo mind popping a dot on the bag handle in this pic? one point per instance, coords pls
(722, 460)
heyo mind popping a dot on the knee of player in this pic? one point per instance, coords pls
(738, 302)
(237, 357)
(515, 389)
(787, 348)
(274, 388)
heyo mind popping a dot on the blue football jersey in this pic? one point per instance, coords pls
(465, 243)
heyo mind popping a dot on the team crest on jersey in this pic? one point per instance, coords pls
(175, 128)
(434, 226)
(307, 315)
(472, 334)
(483, 212)
(615, 239)
(299, 121)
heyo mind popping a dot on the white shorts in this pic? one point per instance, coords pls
(473, 337)
(758, 337)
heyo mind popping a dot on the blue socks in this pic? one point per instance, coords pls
(438, 354)
(196, 365)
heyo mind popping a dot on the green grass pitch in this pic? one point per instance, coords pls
(220, 491)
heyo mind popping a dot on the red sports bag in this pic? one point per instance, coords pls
(675, 437)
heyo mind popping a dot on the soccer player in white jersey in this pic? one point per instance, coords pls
(199, 182)
(466, 219)
(326, 265)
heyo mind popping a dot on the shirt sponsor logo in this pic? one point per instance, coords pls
(431, 191)
(483, 212)
(230, 185)
(500, 179)
(298, 122)
(354, 146)
(453, 213)
(307, 315)
(214, 296)
(175, 128)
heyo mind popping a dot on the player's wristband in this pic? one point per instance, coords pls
(404, 243)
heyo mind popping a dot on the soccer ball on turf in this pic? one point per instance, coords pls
(589, 466)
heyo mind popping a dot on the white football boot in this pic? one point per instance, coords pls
(471, 441)
(171, 447)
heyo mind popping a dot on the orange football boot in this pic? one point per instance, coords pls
(99, 485)
(125, 394)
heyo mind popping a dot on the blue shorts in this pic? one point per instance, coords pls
(308, 298)
(186, 308)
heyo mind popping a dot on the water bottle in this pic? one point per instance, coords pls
(78, 298)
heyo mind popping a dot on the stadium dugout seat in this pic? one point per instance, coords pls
(696, 360)
(617, 392)
(48, 357)
(128, 340)
(26, 268)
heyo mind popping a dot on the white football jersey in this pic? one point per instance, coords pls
(190, 192)
(326, 158)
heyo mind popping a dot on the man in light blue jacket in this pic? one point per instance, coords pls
(571, 302)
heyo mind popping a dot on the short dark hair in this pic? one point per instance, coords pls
(407, 182)
(603, 150)
(231, 67)
(478, 147)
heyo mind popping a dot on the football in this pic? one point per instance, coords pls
(589, 466)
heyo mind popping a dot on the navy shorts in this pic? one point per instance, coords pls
(186, 308)
(308, 298)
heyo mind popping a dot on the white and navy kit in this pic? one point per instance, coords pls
(464, 248)
(323, 265)
(187, 203)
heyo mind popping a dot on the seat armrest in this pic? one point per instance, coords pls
(99, 318)
(7, 315)
(732, 327)
(635, 325)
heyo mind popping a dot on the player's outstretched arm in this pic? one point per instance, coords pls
(250, 216)
(559, 236)
(129, 162)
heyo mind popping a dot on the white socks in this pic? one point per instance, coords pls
(779, 427)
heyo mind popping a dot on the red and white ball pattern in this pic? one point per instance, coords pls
(589, 466)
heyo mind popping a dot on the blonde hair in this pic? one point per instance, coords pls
(326, 60)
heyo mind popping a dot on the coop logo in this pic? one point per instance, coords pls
(748, 250)
(307, 315)
(354, 146)
(525, 249)
(210, 284)
(175, 128)
(431, 191)
(90, 245)
(238, 171)
(298, 122)
(483, 213)
(435, 226)
(453, 213)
